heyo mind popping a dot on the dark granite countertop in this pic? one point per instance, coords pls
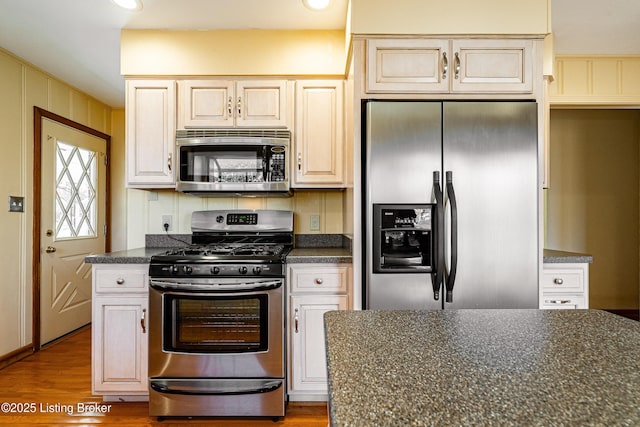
(319, 255)
(129, 256)
(483, 367)
(553, 256)
(315, 248)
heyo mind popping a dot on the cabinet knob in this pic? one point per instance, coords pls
(120, 281)
(558, 281)
(319, 281)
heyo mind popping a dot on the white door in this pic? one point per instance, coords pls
(72, 225)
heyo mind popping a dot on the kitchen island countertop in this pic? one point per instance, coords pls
(482, 367)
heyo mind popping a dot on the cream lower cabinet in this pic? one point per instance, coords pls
(314, 290)
(150, 133)
(565, 286)
(431, 65)
(319, 134)
(119, 331)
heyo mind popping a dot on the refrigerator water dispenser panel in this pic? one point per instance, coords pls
(403, 238)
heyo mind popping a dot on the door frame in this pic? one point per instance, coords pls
(38, 115)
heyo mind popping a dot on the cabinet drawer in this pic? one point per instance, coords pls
(321, 279)
(555, 302)
(559, 280)
(121, 279)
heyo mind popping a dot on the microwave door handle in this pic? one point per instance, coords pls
(451, 275)
(436, 277)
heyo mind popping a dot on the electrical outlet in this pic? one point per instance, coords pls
(168, 220)
(314, 223)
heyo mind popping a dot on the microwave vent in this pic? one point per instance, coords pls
(244, 133)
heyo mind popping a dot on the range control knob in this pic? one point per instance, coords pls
(215, 270)
(257, 270)
(174, 269)
(242, 270)
(187, 269)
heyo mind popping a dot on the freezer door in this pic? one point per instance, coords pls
(490, 148)
(403, 148)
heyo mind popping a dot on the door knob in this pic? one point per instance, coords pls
(50, 249)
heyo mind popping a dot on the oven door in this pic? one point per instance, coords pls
(229, 328)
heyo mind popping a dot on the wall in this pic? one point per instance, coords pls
(232, 52)
(145, 210)
(593, 199)
(459, 17)
(22, 86)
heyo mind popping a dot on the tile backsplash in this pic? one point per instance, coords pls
(145, 211)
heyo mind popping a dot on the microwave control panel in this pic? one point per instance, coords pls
(277, 167)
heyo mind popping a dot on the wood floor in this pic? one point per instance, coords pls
(57, 379)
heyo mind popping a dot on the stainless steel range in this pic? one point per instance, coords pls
(216, 328)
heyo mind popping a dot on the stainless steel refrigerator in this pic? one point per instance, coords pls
(450, 204)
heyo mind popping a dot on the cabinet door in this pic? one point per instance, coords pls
(319, 136)
(120, 345)
(308, 364)
(492, 66)
(261, 103)
(150, 133)
(205, 104)
(408, 65)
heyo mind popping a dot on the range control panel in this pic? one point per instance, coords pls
(211, 270)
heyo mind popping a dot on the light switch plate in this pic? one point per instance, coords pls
(16, 204)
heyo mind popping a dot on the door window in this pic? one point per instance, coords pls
(75, 192)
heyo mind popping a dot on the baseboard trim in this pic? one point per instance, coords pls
(14, 356)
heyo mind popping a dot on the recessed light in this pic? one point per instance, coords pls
(316, 4)
(129, 4)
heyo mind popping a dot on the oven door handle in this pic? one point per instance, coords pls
(224, 388)
(244, 287)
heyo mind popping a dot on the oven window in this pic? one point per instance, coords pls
(205, 324)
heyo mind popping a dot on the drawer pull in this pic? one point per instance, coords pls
(319, 281)
(559, 301)
(143, 321)
(120, 281)
(558, 281)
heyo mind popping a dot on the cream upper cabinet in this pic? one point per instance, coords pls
(232, 103)
(150, 133)
(319, 134)
(457, 66)
(407, 65)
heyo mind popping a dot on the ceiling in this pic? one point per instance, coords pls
(78, 41)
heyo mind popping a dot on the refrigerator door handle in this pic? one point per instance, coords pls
(450, 278)
(437, 275)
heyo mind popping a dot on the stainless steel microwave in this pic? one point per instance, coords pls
(219, 162)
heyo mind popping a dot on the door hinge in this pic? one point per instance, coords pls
(105, 229)
(106, 160)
